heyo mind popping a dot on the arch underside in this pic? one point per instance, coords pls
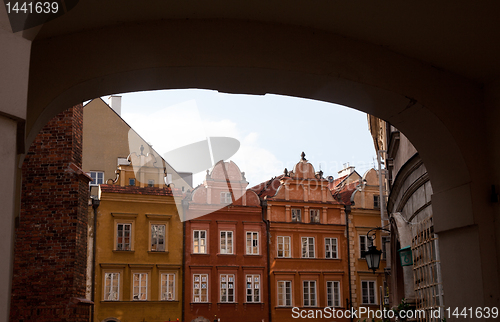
(258, 58)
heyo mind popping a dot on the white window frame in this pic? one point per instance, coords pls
(167, 290)
(334, 254)
(115, 277)
(315, 216)
(226, 198)
(363, 245)
(253, 288)
(371, 288)
(95, 177)
(226, 242)
(200, 284)
(309, 293)
(306, 247)
(285, 240)
(159, 247)
(122, 246)
(201, 241)
(140, 291)
(333, 298)
(284, 289)
(227, 285)
(296, 215)
(253, 248)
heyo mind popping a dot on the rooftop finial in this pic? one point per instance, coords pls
(286, 172)
(303, 155)
(142, 149)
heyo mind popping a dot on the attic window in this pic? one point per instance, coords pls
(225, 198)
(376, 201)
(296, 215)
(151, 183)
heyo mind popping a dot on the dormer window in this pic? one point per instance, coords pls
(225, 198)
(131, 182)
(151, 183)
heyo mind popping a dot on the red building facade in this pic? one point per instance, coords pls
(225, 250)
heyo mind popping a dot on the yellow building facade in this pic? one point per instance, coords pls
(138, 259)
(135, 244)
(361, 195)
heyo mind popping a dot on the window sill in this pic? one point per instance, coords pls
(157, 252)
(200, 254)
(123, 251)
(220, 254)
(201, 303)
(252, 255)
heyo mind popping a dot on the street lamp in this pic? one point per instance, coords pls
(372, 255)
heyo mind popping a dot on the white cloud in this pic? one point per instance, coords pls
(181, 124)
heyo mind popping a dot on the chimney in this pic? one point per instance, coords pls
(347, 170)
(115, 102)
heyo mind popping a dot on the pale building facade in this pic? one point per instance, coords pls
(410, 215)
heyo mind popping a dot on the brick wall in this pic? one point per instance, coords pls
(51, 236)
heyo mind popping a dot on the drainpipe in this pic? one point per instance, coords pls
(347, 212)
(185, 205)
(263, 204)
(95, 205)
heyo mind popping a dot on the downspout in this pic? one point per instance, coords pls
(185, 206)
(347, 212)
(263, 204)
(95, 205)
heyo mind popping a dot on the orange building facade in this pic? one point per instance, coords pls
(307, 245)
(225, 250)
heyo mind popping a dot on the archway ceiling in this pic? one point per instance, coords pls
(459, 36)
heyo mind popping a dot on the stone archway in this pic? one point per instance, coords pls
(429, 105)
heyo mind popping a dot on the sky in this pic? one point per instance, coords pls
(273, 130)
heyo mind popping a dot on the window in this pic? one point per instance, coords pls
(331, 248)
(168, 287)
(252, 242)
(253, 288)
(123, 236)
(199, 241)
(225, 198)
(296, 215)
(333, 293)
(151, 183)
(284, 293)
(227, 288)
(368, 292)
(158, 238)
(97, 177)
(131, 182)
(283, 246)
(307, 247)
(314, 215)
(200, 287)
(111, 286)
(226, 242)
(309, 290)
(386, 240)
(140, 285)
(363, 245)
(376, 201)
